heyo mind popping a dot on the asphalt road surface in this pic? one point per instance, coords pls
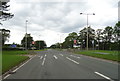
(52, 64)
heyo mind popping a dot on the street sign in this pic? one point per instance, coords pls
(75, 41)
(13, 46)
(33, 42)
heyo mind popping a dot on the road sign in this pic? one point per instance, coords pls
(33, 42)
(75, 41)
(13, 46)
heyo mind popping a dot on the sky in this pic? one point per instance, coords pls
(53, 20)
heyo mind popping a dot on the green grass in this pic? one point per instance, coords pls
(112, 55)
(11, 59)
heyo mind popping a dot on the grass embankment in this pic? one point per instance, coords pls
(109, 55)
(11, 59)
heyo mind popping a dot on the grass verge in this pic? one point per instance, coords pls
(109, 55)
(11, 59)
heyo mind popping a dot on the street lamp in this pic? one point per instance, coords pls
(87, 25)
(39, 43)
(26, 34)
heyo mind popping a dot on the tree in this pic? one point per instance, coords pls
(99, 36)
(29, 41)
(69, 40)
(108, 37)
(4, 15)
(116, 32)
(40, 44)
(5, 35)
(83, 37)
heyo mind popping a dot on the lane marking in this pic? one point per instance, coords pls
(41, 57)
(104, 76)
(45, 55)
(19, 67)
(6, 76)
(61, 54)
(74, 56)
(43, 62)
(72, 60)
(54, 56)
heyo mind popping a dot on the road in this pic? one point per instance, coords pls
(52, 64)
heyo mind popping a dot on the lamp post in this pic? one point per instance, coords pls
(39, 43)
(26, 34)
(87, 25)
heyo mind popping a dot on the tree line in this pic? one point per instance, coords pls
(100, 39)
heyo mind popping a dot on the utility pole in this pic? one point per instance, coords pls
(87, 42)
(39, 43)
(26, 35)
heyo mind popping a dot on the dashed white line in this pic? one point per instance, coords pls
(54, 56)
(104, 76)
(74, 56)
(43, 62)
(45, 55)
(72, 60)
(41, 57)
(61, 54)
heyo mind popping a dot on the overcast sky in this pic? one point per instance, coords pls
(52, 20)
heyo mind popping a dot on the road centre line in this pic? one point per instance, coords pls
(72, 60)
(43, 62)
(103, 76)
(45, 55)
(18, 67)
(54, 56)
(41, 57)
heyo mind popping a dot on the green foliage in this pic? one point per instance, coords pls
(103, 39)
(40, 44)
(3, 14)
(83, 37)
(69, 40)
(5, 35)
(27, 39)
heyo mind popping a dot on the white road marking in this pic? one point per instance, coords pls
(104, 76)
(45, 55)
(18, 67)
(43, 62)
(41, 57)
(54, 56)
(72, 60)
(74, 56)
(61, 54)
(6, 76)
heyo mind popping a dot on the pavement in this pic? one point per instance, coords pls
(53, 64)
